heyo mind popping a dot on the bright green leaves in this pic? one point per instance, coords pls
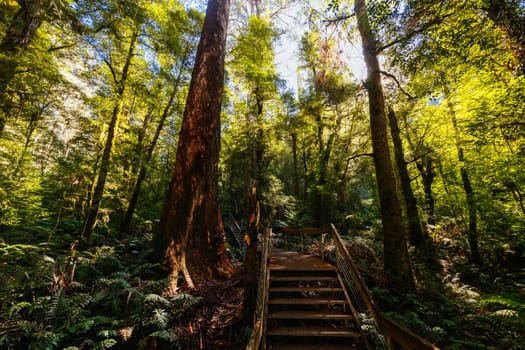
(253, 59)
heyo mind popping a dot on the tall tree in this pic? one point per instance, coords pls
(90, 220)
(415, 229)
(472, 231)
(190, 233)
(396, 261)
(18, 36)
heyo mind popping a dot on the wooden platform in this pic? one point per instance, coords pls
(293, 261)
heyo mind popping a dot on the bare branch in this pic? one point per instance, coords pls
(338, 19)
(110, 66)
(56, 48)
(414, 32)
(359, 156)
(393, 77)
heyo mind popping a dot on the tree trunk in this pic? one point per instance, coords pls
(295, 165)
(426, 168)
(415, 229)
(91, 218)
(396, 261)
(18, 36)
(126, 222)
(251, 259)
(190, 234)
(469, 192)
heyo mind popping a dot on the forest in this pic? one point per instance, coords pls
(133, 131)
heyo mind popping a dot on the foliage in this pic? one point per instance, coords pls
(307, 148)
(98, 298)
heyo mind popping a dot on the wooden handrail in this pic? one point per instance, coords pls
(403, 336)
(361, 286)
(259, 326)
(393, 331)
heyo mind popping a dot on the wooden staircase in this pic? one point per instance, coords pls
(307, 307)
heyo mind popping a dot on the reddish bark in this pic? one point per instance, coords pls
(190, 233)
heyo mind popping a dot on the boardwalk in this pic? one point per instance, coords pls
(308, 308)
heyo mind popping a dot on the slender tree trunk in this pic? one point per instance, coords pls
(396, 261)
(469, 192)
(516, 193)
(126, 222)
(415, 229)
(295, 165)
(91, 217)
(18, 36)
(426, 168)
(190, 234)
(322, 212)
(251, 259)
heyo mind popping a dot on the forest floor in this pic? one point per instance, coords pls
(215, 322)
(456, 306)
(110, 296)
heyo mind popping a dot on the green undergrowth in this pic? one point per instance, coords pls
(456, 305)
(54, 296)
(474, 308)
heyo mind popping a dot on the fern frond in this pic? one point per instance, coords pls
(53, 306)
(16, 308)
(105, 344)
(156, 299)
(107, 333)
(164, 335)
(506, 313)
(160, 318)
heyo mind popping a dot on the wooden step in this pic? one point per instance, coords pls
(313, 331)
(310, 315)
(307, 301)
(303, 278)
(312, 347)
(302, 268)
(306, 289)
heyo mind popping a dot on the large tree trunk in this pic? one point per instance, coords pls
(190, 234)
(91, 218)
(18, 36)
(415, 229)
(396, 261)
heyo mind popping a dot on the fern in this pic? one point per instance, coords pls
(506, 306)
(157, 300)
(107, 333)
(16, 308)
(160, 318)
(164, 335)
(105, 344)
(55, 300)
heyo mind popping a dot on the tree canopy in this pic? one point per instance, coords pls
(121, 131)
